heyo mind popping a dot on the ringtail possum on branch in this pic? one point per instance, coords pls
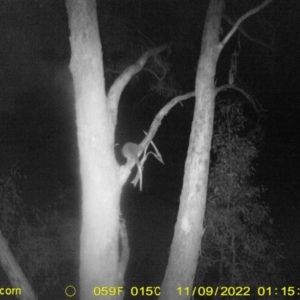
(131, 152)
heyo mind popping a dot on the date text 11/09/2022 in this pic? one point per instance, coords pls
(242, 291)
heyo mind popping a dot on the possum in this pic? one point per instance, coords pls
(131, 152)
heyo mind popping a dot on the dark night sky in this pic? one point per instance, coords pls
(36, 108)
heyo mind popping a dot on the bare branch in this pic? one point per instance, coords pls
(256, 105)
(242, 19)
(122, 80)
(157, 155)
(161, 114)
(126, 169)
(247, 35)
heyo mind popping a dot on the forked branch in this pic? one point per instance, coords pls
(142, 147)
(242, 19)
(248, 36)
(122, 80)
(161, 114)
(256, 105)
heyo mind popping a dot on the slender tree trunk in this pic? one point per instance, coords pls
(101, 188)
(15, 275)
(186, 243)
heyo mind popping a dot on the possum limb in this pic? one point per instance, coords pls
(131, 152)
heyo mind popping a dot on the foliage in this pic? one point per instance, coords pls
(239, 247)
(42, 246)
(11, 206)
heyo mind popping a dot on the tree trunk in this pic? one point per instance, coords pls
(186, 245)
(15, 275)
(188, 233)
(101, 265)
(101, 188)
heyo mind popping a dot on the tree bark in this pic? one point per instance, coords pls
(15, 275)
(101, 264)
(99, 170)
(186, 243)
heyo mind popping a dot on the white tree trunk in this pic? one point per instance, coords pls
(99, 170)
(102, 179)
(186, 245)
